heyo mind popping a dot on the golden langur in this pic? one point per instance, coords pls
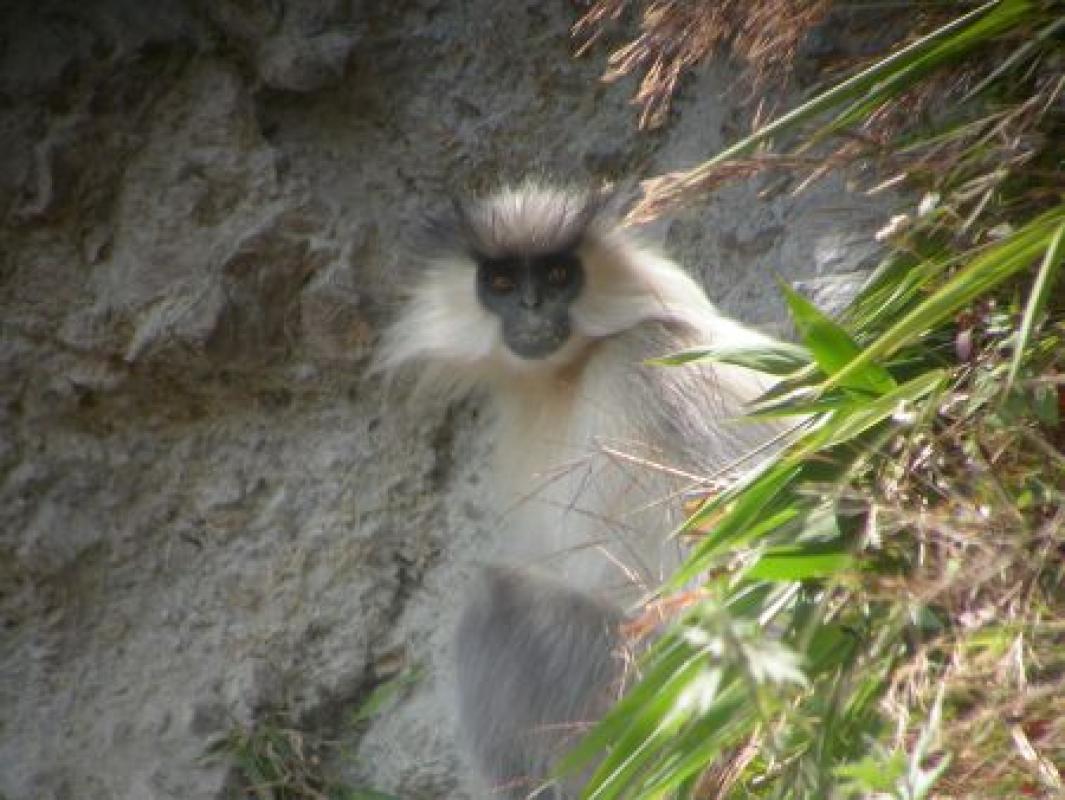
(534, 297)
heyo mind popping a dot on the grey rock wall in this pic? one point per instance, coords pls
(210, 516)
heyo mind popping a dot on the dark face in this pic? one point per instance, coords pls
(532, 296)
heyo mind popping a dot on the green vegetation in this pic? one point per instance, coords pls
(880, 610)
(276, 760)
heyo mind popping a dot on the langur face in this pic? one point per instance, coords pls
(532, 296)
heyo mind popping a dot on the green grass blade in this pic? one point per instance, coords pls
(1044, 279)
(848, 425)
(893, 287)
(796, 408)
(1004, 15)
(1019, 55)
(751, 534)
(385, 693)
(845, 90)
(986, 271)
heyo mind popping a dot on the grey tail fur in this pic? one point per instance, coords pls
(536, 666)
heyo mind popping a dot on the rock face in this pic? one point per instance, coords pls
(211, 517)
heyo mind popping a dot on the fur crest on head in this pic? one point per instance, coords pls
(530, 218)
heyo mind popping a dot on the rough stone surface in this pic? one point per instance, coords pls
(210, 514)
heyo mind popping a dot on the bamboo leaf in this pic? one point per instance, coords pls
(773, 358)
(801, 562)
(832, 347)
(719, 727)
(669, 657)
(754, 502)
(652, 727)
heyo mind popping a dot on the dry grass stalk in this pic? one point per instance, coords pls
(675, 35)
(676, 188)
(990, 566)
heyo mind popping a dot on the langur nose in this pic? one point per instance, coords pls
(530, 295)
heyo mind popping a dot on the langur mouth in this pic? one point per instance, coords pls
(536, 344)
(532, 348)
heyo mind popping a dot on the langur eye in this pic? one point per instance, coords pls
(557, 275)
(501, 284)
